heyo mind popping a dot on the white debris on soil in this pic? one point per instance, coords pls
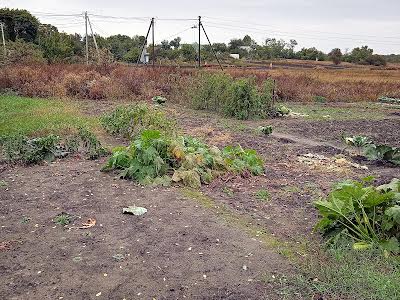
(297, 115)
(334, 164)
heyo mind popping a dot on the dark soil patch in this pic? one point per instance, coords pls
(178, 249)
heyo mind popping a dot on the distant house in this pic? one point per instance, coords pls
(234, 55)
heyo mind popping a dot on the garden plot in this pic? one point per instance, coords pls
(238, 237)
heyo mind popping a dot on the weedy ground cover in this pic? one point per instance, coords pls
(129, 121)
(21, 149)
(239, 98)
(126, 82)
(157, 158)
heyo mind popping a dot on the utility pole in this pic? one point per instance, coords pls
(94, 39)
(4, 40)
(145, 41)
(212, 49)
(86, 38)
(152, 36)
(199, 50)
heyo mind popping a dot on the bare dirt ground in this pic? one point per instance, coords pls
(222, 244)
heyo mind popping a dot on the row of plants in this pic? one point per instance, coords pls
(239, 98)
(369, 215)
(22, 149)
(157, 158)
(373, 151)
(389, 100)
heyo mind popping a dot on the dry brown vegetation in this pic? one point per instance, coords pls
(138, 83)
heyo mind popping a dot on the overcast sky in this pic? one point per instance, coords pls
(325, 24)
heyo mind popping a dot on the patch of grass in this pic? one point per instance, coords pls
(3, 183)
(228, 191)
(343, 273)
(291, 189)
(290, 250)
(262, 195)
(34, 116)
(63, 219)
(25, 220)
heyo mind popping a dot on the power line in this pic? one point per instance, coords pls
(304, 35)
(306, 29)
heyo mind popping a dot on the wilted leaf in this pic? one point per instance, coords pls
(134, 210)
(362, 246)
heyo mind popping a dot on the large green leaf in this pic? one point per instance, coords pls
(393, 185)
(394, 213)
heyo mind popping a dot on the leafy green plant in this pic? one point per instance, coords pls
(18, 148)
(262, 195)
(21, 149)
(367, 214)
(281, 110)
(389, 100)
(130, 121)
(374, 151)
(154, 157)
(159, 100)
(320, 99)
(383, 153)
(267, 130)
(358, 142)
(63, 219)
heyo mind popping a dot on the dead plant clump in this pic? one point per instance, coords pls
(116, 81)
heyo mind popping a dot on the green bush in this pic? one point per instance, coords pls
(212, 91)
(157, 158)
(369, 215)
(129, 121)
(238, 98)
(244, 102)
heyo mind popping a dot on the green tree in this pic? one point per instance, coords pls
(19, 24)
(176, 42)
(360, 55)
(188, 52)
(132, 55)
(310, 54)
(336, 56)
(56, 46)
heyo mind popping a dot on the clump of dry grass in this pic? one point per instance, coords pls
(117, 81)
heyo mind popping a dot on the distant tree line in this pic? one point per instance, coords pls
(28, 39)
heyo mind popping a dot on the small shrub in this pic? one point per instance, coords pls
(267, 130)
(238, 98)
(129, 121)
(320, 99)
(63, 219)
(244, 102)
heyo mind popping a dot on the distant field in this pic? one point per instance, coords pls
(142, 83)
